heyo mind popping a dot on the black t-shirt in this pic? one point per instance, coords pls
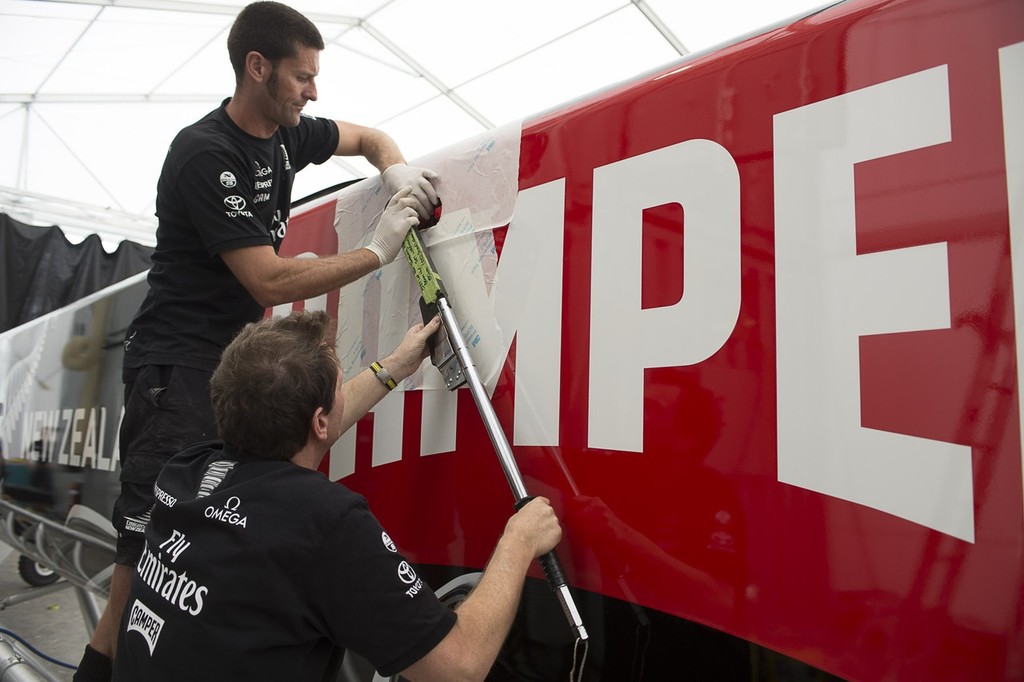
(220, 189)
(255, 570)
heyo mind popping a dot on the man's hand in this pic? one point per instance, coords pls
(536, 526)
(410, 354)
(398, 218)
(420, 180)
(469, 649)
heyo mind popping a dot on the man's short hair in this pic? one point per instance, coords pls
(272, 29)
(270, 381)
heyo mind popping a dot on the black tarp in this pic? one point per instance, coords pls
(43, 271)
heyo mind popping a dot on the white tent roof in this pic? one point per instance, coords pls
(92, 91)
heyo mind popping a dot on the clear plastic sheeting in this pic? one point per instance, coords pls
(478, 186)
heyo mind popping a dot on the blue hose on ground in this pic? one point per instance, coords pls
(36, 651)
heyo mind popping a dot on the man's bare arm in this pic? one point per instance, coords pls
(380, 150)
(272, 280)
(364, 390)
(374, 145)
(485, 618)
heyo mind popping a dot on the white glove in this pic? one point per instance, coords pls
(420, 179)
(398, 218)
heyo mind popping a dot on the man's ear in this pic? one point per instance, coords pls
(319, 424)
(257, 66)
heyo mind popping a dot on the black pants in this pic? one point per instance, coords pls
(167, 408)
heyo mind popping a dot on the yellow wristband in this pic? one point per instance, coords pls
(383, 375)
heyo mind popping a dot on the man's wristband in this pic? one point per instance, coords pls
(383, 375)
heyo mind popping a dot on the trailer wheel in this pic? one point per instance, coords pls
(34, 573)
(355, 668)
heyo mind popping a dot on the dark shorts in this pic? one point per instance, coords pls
(166, 409)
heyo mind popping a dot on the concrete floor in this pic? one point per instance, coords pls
(51, 623)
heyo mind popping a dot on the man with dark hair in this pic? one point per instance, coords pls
(223, 201)
(257, 567)
(272, 30)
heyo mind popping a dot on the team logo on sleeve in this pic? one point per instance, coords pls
(143, 621)
(407, 574)
(236, 207)
(227, 178)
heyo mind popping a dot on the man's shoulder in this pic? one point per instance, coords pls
(212, 139)
(325, 504)
(314, 137)
(318, 489)
(282, 478)
(316, 506)
(194, 456)
(210, 135)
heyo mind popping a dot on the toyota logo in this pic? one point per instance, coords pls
(235, 202)
(406, 573)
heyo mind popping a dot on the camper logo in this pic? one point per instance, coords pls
(146, 623)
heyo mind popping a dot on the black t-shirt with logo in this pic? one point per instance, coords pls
(220, 189)
(255, 570)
